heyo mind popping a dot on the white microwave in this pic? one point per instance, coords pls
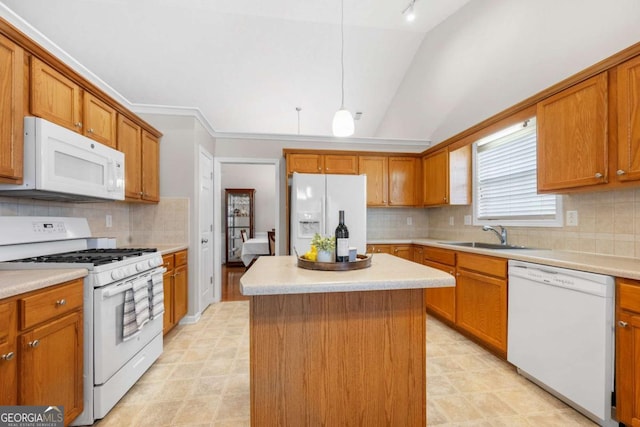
(60, 164)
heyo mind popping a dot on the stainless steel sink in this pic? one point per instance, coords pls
(482, 245)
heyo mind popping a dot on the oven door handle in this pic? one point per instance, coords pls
(107, 293)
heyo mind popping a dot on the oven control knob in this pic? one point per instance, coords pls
(117, 274)
(141, 266)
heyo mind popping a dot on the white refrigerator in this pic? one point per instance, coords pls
(315, 202)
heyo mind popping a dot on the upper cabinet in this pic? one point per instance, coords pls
(11, 111)
(150, 167)
(376, 168)
(55, 97)
(628, 94)
(322, 163)
(447, 177)
(99, 120)
(573, 136)
(391, 181)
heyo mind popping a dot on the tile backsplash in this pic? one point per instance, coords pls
(608, 223)
(165, 222)
(393, 223)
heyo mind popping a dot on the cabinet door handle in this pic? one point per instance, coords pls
(90, 130)
(7, 356)
(78, 124)
(61, 302)
(598, 175)
(34, 343)
(620, 172)
(457, 274)
(622, 324)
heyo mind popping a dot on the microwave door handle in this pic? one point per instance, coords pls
(111, 175)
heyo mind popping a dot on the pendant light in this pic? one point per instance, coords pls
(343, 120)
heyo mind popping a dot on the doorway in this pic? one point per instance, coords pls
(274, 217)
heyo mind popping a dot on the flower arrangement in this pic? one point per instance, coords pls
(323, 243)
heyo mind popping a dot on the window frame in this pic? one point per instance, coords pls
(556, 221)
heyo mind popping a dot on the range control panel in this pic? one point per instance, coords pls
(49, 228)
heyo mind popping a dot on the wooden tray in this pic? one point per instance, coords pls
(362, 261)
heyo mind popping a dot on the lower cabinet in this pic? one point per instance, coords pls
(41, 348)
(402, 251)
(481, 299)
(176, 288)
(441, 301)
(628, 352)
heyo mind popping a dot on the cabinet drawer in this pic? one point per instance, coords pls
(484, 264)
(50, 303)
(629, 296)
(180, 258)
(442, 256)
(167, 262)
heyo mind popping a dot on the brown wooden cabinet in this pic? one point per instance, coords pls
(628, 352)
(176, 288)
(41, 348)
(100, 120)
(8, 353)
(322, 163)
(573, 136)
(447, 177)
(130, 143)
(441, 302)
(11, 111)
(400, 250)
(391, 181)
(628, 99)
(150, 167)
(379, 249)
(481, 299)
(376, 168)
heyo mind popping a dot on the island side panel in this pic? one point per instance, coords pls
(345, 358)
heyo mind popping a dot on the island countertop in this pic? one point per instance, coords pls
(277, 275)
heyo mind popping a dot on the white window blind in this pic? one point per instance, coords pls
(506, 177)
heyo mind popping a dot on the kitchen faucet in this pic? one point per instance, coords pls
(502, 234)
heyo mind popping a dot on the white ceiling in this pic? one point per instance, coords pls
(247, 64)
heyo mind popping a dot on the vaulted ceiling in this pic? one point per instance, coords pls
(247, 64)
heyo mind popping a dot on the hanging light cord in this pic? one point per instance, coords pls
(342, 49)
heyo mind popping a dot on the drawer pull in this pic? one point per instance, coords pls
(7, 356)
(61, 302)
(598, 175)
(620, 172)
(622, 323)
(34, 343)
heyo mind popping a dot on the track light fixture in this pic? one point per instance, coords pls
(409, 12)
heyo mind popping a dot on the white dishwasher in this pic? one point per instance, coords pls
(561, 336)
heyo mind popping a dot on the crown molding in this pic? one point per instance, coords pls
(321, 138)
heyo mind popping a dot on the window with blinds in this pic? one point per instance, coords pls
(505, 190)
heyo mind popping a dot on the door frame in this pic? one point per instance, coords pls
(202, 152)
(217, 210)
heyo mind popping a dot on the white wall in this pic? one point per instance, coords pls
(179, 177)
(493, 54)
(262, 179)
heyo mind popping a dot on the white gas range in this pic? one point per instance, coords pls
(115, 356)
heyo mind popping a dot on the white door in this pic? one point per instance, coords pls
(206, 229)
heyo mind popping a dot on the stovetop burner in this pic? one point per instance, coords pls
(90, 256)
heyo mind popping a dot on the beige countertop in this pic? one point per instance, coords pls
(15, 282)
(277, 275)
(583, 261)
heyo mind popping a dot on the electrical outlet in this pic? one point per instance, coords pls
(572, 218)
(451, 222)
(409, 220)
(467, 220)
(108, 221)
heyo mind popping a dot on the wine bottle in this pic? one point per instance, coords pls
(342, 240)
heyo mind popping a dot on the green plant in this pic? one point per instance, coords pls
(323, 243)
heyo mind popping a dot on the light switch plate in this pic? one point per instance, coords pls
(409, 220)
(467, 220)
(451, 222)
(108, 221)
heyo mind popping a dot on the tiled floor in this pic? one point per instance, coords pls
(202, 379)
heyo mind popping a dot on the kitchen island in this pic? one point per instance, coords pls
(338, 348)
